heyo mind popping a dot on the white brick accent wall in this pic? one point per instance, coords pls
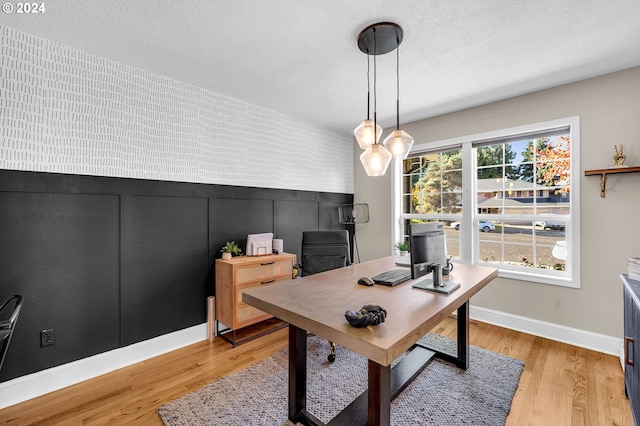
(67, 111)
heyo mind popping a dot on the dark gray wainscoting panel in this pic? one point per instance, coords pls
(328, 216)
(292, 219)
(235, 218)
(107, 262)
(168, 252)
(60, 251)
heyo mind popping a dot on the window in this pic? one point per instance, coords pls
(521, 187)
(432, 190)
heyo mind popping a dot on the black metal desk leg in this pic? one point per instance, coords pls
(463, 336)
(297, 372)
(379, 395)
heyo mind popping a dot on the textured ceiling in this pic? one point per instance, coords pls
(300, 57)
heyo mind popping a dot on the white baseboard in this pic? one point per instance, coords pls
(40, 383)
(33, 385)
(572, 336)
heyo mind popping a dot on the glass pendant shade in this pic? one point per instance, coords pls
(399, 143)
(365, 134)
(375, 160)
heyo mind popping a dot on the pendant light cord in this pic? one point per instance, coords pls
(368, 86)
(375, 92)
(398, 84)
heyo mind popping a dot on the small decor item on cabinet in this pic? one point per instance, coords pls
(296, 271)
(230, 249)
(278, 246)
(260, 244)
(403, 248)
(618, 157)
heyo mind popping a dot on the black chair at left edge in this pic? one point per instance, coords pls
(7, 326)
(323, 251)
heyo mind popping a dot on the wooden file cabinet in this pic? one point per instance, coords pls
(237, 274)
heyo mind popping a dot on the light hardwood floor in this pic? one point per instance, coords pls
(560, 384)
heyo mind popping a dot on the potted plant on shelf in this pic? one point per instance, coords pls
(403, 248)
(230, 249)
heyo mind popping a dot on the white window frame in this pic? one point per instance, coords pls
(469, 235)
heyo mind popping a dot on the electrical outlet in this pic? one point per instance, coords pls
(47, 337)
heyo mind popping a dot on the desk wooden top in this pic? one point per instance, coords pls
(317, 304)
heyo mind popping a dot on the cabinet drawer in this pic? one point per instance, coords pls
(247, 315)
(265, 271)
(241, 288)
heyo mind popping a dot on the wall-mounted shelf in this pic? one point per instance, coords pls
(604, 172)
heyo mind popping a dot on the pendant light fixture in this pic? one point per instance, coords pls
(365, 133)
(398, 142)
(378, 39)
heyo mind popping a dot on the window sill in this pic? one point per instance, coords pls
(537, 278)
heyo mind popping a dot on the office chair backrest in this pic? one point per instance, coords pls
(324, 250)
(7, 326)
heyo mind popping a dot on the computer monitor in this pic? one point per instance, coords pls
(427, 246)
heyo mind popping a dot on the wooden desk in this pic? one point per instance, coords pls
(317, 304)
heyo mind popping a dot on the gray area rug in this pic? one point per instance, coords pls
(441, 395)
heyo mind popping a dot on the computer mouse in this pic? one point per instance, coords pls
(365, 281)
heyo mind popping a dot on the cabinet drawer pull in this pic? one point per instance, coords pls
(267, 282)
(628, 350)
(268, 263)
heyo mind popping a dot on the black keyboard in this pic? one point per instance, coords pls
(392, 277)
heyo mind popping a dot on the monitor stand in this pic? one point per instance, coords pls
(446, 287)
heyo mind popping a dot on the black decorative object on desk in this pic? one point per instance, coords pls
(366, 316)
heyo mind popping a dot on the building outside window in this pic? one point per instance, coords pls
(508, 199)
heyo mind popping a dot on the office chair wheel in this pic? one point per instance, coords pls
(332, 355)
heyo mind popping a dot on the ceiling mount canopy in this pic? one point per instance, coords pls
(380, 38)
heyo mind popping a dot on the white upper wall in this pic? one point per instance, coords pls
(67, 111)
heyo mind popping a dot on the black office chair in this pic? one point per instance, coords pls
(7, 326)
(323, 251)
